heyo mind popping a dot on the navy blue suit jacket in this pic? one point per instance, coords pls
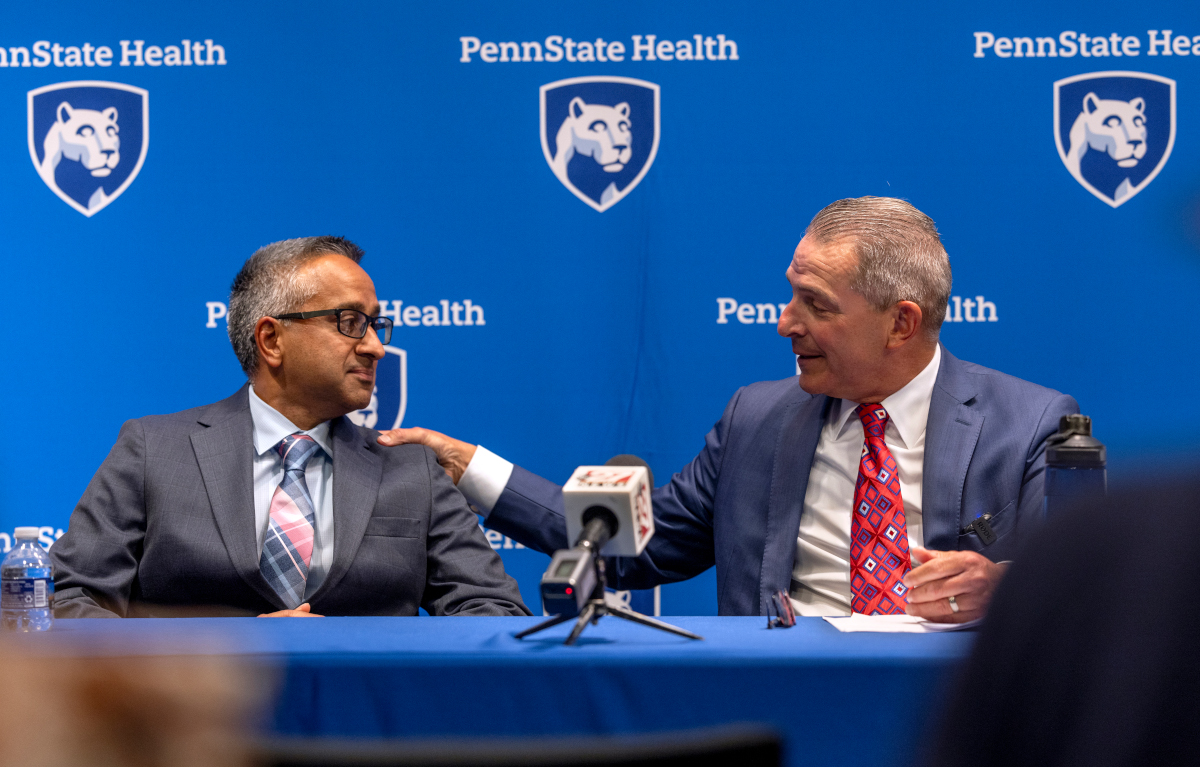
(737, 505)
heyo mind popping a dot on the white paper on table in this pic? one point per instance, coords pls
(895, 624)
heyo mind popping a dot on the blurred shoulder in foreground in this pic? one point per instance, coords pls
(1087, 656)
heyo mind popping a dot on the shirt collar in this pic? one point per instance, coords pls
(908, 409)
(270, 426)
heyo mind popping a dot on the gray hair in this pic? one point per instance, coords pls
(270, 283)
(900, 255)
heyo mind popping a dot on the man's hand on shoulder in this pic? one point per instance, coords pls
(968, 576)
(303, 611)
(453, 455)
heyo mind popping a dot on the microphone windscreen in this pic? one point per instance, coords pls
(625, 459)
(622, 489)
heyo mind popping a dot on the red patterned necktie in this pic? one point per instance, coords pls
(878, 535)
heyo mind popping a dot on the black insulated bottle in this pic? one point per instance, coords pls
(1076, 465)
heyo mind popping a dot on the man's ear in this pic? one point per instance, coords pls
(268, 339)
(907, 321)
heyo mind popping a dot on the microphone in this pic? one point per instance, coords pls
(608, 508)
(625, 459)
(608, 514)
(600, 524)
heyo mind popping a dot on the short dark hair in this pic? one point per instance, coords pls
(269, 284)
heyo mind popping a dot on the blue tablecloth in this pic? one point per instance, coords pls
(837, 698)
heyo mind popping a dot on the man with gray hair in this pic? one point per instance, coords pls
(894, 478)
(272, 502)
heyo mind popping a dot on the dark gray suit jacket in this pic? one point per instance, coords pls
(738, 504)
(168, 522)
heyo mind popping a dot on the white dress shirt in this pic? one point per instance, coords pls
(270, 426)
(822, 567)
(484, 479)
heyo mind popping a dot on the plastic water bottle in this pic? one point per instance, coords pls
(1076, 465)
(27, 585)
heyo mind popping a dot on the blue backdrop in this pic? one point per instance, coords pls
(552, 332)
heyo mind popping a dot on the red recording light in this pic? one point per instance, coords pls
(569, 590)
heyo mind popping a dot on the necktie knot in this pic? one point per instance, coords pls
(874, 418)
(297, 450)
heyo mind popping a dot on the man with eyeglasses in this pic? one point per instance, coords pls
(272, 502)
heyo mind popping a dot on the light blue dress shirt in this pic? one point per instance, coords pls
(270, 426)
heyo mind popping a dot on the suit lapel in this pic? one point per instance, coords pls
(950, 438)
(789, 481)
(224, 450)
(357, 473)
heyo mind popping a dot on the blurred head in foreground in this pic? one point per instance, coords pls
(193, 711)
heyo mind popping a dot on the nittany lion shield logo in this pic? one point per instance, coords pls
(1114, 130)
(88, 139)
(600, 135)
(390, 397)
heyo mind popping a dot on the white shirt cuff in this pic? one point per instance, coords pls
(485, 479)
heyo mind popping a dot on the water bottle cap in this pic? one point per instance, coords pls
(1074, 446)
(25, 532)
(1076, 423)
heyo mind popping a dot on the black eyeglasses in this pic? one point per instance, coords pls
(350, 322)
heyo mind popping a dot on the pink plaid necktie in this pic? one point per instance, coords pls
(878, 534)
(288, 546)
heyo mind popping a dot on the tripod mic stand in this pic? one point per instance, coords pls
(602, 603)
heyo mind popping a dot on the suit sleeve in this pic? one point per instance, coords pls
(530, 510)
(96, 561)
(463, 575)
(1033, 483)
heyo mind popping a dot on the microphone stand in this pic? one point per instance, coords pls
(600, 604)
